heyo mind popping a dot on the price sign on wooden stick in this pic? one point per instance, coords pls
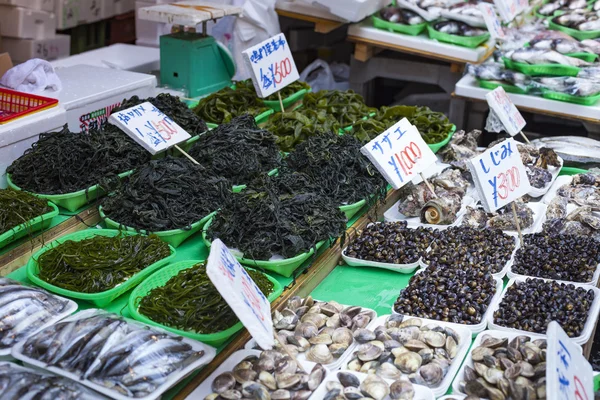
(491, 20)
(506, 111)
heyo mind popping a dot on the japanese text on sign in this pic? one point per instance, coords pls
(241, 293)
(499, 175)
(504, 108)
(491, 20)
(569, 375)
(400, 153)
(149, 127)
(272, 65)
(508, 9)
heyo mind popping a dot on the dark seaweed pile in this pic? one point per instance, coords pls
(66, 162)
(222, 106)
(172, 107)
(165, 194)
(280, 215)
(17, 208)
(238, 151)
(335, 164)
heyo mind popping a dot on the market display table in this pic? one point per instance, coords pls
(324, 22)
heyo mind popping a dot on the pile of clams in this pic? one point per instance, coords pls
(321, 331)
(270, 376)
(349, 387)
(406, 348)
(504, 369)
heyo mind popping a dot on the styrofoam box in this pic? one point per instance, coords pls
(558, 183)
(148, 31)
(480, 327)
(96, 10)
(463, 333)
(21, 50)
(350, 10)
(119, 56)
(90, 93)
(172, 380)
(421, 392)
(42, 5)
(588, 328)
(69, 13)
(205, 388)
(476, 342)
(123, 6)
(19, 135)
(19, 22)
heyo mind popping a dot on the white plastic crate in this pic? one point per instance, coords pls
(97, 10)
(121, 56)
(21, 50)
(69, 13)
(42, 5)
(24, 23)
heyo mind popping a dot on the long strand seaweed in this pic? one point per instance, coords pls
(222, 106)
(346, 107)
(165, 194)
(189, 301)
(287, 91)
(99, 263)
(18, 207)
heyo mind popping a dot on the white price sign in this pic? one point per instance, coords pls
(149, 127)
(400, 153)
(508, 9)
(569, 376)
(499, 175)
(272, 65)
(504, 108)
(491, 20)
(241, 293)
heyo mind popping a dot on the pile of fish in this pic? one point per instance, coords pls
(349, 387)
(467, 12)
(17, 383)
(125, 357)
(530, 55)
(553, 6)
(23, 310)
(430, 10)
(574, 150)
(561, 44)
(493, 71)
(503, 219)
(400, 16)
(581, 20)
(570, 85)
(458, 28)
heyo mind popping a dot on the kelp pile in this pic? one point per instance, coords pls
(172, 107)
(17, 208)
(66, 162)
(189, 301)
(165, 194)
(283, 215)
(347, 107)
(222, 106)
(287, 91)
(433, 126)
(99, 263)
(238, 151)
(335, 164)
(294, 127)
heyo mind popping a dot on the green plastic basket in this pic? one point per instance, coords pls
(351, 209)
(285, 267)
(160, 278)
(435, 147)
(584, 101)
(577, 34)
(572, 171)
(589, 57)
(412, 30)
(287, 102)
(70, 201)
(36, 224)
(464, 41)
(174, 237)
(541, 69)
(491, 85)
(101, 299)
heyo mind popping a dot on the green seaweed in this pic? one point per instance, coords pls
(287, 91)
(294, 127)
(18, 207)
(222, 106)
(433, 126)
(347, 107)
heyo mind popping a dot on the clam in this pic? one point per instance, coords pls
(295, 302)
(434, 339)
(286, 364)
(231, 395)
(307, 330)
(370, 367)
(327, 330)
(360, 321)
(300, 342)
(476, 388)
(427, 355)
(308, 301)
(363, 335)
(315, 377)
(375, 387)
(318, 319)
(387, 370)
(351, 311)
(223, 382)
(244, 375)
(301, 395)
(493, 342)
(352, 393)
(415, 345)
(342, 336)
(286, 380)
(402, 390)
(334, 394)
(400, 350)
(391, 344)
(470, 374)
(267, 379)
(281, 394)
(249, 388)
(320, 354)
(348, 379)
(329, 309)
(321, 338)
(479, 352)
(332, 385)
(451, 346)
(527, 370)
(432, 374)
(493, 375)
(480, 368)
(354, 365)
(368, 352)
(411, 322)
(394, 321)
(333, 321)
(338, 349)
(408, 362)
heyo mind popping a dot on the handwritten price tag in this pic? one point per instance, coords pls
(241, 293)
(569, 376)
(400, 153)
(149, 127)
(491, 20)
(272, 65)
(508, 9)
(504, 108)
(499, 175)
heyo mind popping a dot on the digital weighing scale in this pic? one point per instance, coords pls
(190, 60)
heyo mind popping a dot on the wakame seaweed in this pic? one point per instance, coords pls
(66, 162)
(18, 207)
(238, 150)
(165, 194)
(283, 215)
(173, 108)
(286, 92)
(335, 164)
(347, 107)
(222, 106)
(293, 127)
(99, 263)
(190, 302)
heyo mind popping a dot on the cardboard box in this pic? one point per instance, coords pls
(22, 50)
(24, 23)
(5, 63)
(124, 6)
(41, 5)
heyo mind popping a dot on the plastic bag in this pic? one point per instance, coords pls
(319, 75)
(493, 123)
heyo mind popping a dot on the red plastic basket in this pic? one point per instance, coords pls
(15, 104)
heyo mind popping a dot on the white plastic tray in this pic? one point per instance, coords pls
(205, 388)
(476, 342)
(393, 215)
(588, 328)
(467, 19)
(551, 193)
(452, 397)
(463, 347)
(480, 327)
(401, 268)
(535, 192)
(209, 354)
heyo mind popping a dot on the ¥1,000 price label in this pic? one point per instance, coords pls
(399, 153)
(499, 175)
(504, 108)
(272, 65)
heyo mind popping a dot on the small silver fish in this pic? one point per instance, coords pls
(577, 4)
(593, 25)
(548, 9)
(536, 56)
